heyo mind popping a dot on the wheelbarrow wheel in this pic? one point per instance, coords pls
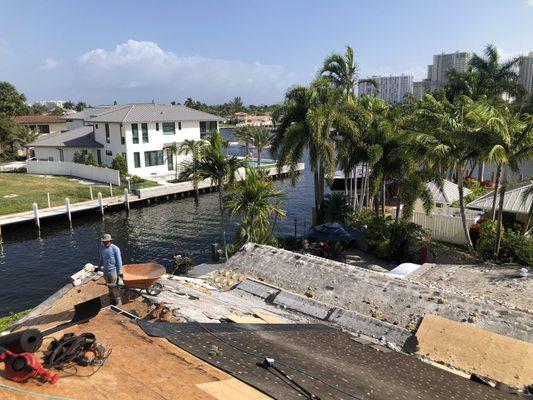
(155, 289)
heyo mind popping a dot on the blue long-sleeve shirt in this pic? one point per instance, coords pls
(110, 260)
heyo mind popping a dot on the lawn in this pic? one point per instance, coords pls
(31, 189)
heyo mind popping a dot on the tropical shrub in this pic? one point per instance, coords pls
(382, 250)
(334, 209)
(514, 248)
(375, 228)
(90, 160)
(119, 163)
(78, 157)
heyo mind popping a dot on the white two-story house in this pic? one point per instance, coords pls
(138, 132)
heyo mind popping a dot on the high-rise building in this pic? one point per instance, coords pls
(391, 88)
(442, 63)
(418, 90)
(526, 72)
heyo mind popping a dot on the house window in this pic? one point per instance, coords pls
(144, 128)
(153, 158)
(44, 128)
(179, 126)
(107, 137)
(137, 159)
(96, 126)
(108, 153)
(122, 137)
(208, 127)
(135, 133)
(157, 126)
(169, 128)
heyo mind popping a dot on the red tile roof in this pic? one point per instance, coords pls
(39, 119)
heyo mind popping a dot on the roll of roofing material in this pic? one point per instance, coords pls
(27, 341)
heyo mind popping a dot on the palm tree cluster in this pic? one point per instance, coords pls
(395, 150)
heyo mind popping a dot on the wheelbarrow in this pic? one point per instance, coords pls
(144, 277)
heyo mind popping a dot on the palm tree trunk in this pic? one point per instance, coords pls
(346, 192)
(496, 187)
(222, 225)
(259, 150)
(528, 222)
(354, 188)
(175, 166)
(462, 207)
(383, 196)
(481, 171)
(317, 193)
(500, 214)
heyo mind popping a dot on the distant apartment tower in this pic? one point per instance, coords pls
(526, 72)
(391, 88)
(442, 63)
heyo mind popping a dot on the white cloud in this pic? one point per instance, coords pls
(49, 64)
(529, 3)
(141, 70)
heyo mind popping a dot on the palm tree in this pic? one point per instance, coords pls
(194, 148)
(496, 78)
(449, 133)
(260, 137)
(306, 119)
(335, 208)
(343, 72)
(243, 135)
(256, 199)
(214, 165)
(516, 145)
(172, 150)
(22, 137)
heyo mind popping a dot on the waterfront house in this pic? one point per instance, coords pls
(517, 204)
(44, 124)
(138, 132)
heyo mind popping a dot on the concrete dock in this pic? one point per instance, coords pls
(126, 199)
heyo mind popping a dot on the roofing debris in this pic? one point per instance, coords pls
(290, 326)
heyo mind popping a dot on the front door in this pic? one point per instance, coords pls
(99, 156)
(170, 160)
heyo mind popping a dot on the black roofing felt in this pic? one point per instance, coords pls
(326, 362)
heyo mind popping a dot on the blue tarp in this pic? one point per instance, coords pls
(335, 232)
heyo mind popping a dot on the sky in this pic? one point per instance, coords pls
(132, 51)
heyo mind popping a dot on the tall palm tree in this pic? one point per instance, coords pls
(256, 199)
(449, 134)
(306, 119)
(260, 137)
(243, 135)
(220, 169)
(343, 72)
(494, 77)
(516, 145)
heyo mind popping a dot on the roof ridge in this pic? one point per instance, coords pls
(131, 108)
(112, 109)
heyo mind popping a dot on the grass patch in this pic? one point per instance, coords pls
(7, 321)
(143, 183)
(31, 189)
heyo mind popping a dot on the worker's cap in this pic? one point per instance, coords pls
(107, 238)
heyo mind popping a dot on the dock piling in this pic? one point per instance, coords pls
(101, 203)
(67, 207)
(91, 192)
(48, 198)
(36, 215)
(126, 199)
(111, 189)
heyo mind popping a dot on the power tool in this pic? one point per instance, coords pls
(21, 367)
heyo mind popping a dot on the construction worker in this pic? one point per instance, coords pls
(111, 264)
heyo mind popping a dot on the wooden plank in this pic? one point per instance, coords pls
(244, 319)
(266, 317)
(476, 350)
(232, 389)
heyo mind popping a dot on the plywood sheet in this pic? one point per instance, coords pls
(245, 319)
(232, 389)
(266, 317)
(476, 350)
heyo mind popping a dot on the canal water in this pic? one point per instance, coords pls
(33, 267)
